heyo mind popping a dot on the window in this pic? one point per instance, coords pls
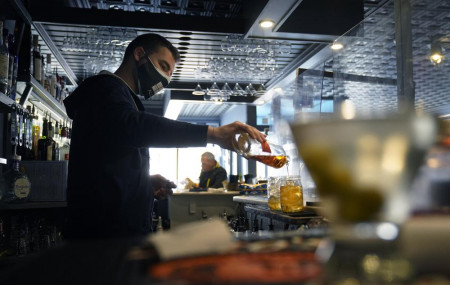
(176, 164)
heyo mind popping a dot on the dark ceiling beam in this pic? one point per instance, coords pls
(143, 20)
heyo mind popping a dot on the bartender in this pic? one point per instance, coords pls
(212, 174)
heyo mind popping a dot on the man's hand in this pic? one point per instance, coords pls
(161, 186)
(223, 135)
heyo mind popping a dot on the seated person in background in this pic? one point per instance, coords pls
(212, 174)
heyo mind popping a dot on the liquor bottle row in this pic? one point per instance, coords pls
(8, 63)
(28, 143)
(42, 72)
(41, 68)
(24, 234)
(37, 139)
(52, 145)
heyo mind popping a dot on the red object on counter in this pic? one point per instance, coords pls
(240, 268)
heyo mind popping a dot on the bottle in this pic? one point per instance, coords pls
(10, 43)
(52, 148)
(43, 142)
(15, 185)
(268, 153)
(48, 73)
(42, 69)
(14, 127)
(37, 61)
(4, 61)
(57, 87)
(159, 227)
(13, 67)
(56, 132)
(63, 151)
(53, 86)
(35, 133)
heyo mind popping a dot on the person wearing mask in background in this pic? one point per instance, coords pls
(212, 174)
(110, 192)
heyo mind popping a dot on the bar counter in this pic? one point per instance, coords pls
(255, 209)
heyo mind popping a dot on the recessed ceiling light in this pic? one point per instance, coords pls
(336, 46)
(265, 24)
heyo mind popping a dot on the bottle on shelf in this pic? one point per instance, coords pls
(25, 149)
(56, 133)
(35, 134)
(53, 85)
(14, 128)
(4, 61)
(64, 151)
(59, 87)
(43, 142)
(52, 147)
(37, 61)
(64, 143)
(15, 184)
(48, 73)
(42, 70)
(13, 66)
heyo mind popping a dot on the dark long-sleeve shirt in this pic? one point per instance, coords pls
(109, 192)
(213, 178)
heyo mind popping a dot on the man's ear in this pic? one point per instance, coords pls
(138, 53)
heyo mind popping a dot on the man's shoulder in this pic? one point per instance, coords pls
(220, 169)
(101, 79)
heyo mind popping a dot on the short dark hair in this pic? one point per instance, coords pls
(151, 43)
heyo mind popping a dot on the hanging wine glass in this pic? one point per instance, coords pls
(226, 92)
(198, 90)
(261, 90)
(285, 47)
(237, 90)
(250, 89)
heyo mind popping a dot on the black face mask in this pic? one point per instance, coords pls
(150, 79)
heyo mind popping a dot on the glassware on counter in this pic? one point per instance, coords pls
(291, 194)
(268, 153)
(273, 193)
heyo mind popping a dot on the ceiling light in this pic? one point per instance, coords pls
(336, 46)
(436, 58)
(265, 24)
(278, 90)
(436, 53)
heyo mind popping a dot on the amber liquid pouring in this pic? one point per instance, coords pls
(275, 161)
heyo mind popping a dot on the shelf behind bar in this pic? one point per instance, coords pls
(6, 102)
(33, 205)
(42, 97)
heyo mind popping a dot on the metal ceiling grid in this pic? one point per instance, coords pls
(196, 47)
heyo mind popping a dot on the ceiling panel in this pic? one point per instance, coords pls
(196, 28)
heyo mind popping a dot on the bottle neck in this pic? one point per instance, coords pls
(15, 165)
(45, 129)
